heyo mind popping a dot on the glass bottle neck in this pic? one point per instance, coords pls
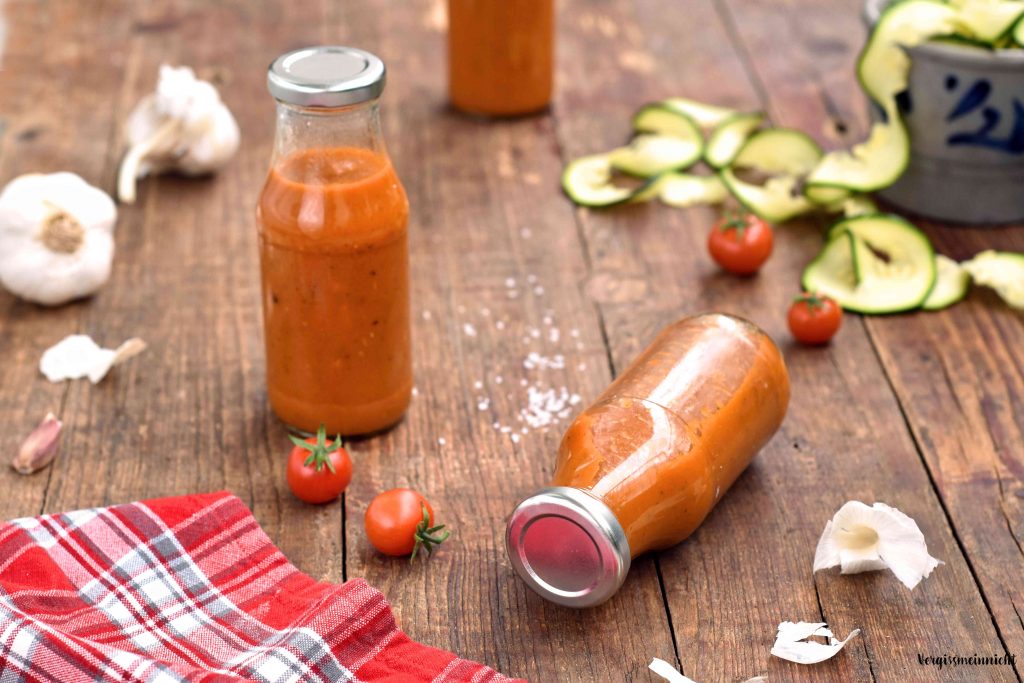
(304, 128)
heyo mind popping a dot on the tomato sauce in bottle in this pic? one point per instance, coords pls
(501, 55)
(334, 257)
(643, 466)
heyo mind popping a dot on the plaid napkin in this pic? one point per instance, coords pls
(190, 589)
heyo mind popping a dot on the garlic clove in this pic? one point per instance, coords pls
(77, 356)
(792, 644)
(40, 448)
(860, 538)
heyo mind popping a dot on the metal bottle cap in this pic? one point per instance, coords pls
(326, 76)
(568, 546)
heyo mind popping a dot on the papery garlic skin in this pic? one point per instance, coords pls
(183, 126)
(792, 644)
(668, 672)
(860, 538)
(77, 356)
(56, 237)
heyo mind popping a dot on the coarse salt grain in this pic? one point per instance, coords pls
(469, 330)
(500, 324)
(478, 384)
(535, 360)
(525, 233)
(510, 282)
(554, 335)
(427, 315)
(441, 441)
(538, 290)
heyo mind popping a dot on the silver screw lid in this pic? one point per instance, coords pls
(568, 547)
(326, 76)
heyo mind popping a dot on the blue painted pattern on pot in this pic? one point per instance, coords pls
(964, 110)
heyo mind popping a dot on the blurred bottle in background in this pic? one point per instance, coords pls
(501, 55)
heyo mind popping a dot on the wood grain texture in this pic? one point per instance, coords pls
(956, 373)
(497, 266)
(843, 420)
(500, 262)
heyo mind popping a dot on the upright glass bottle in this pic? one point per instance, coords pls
(334, 256)
(501, 55)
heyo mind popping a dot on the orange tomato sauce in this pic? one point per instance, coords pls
(669, 437)
(500, 55)
(335, 271)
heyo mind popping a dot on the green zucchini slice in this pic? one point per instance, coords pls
(853, 205)
(1003, 271)
(707, 116)
(951, 284)
(776, 201)
(662, 120)
(588, 182)
(883, 65)
(685, 189)
(832, 198)
(872, 165)
(779, 151)
(987, 21)
(729, 136)
(875, 264)
(652, 154)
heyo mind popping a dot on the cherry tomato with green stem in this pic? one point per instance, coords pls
(400, 522)
(814, 319)
(318, 471)
(740, 243)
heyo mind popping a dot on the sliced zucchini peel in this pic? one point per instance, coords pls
(875, 264)
(651, 154)
(588, 181)
(988, 22)
(951, 284)
(728, 138)
(1003, 271)
(685, 189)
(706, 116)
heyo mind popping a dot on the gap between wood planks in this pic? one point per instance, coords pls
(602, 323)
(725, 13)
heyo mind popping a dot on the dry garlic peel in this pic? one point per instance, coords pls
(56, 237)
(668, 672)
(78, 356)
(792, 642)
(183, 126)
(860, 538)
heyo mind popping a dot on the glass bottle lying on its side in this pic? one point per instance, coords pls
(643, 466)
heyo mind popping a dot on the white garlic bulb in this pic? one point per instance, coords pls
(56, 237)
(183, 126)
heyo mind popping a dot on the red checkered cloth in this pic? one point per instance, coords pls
(190, 589)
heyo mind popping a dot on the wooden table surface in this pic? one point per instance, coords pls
(922, 411)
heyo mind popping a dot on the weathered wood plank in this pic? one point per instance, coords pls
(956, 373)
(844, 438)
(190, 414)
(497, 264)
(46, 129)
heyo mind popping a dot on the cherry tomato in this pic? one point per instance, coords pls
(400, 521)
(740, 243)
(318, 471)
(814, 319)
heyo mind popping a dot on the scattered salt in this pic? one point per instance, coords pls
(535, 360)
(538, 290)
(574, 333)
(469, 329)
(554, 334)
(510, 282)
(531, 278)
(478, 384)
(427, 315)
(500, 324)
(441, 441)
(515, 438)
(485, 312)
(535, 333)
(525, 233)
(498, 379)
